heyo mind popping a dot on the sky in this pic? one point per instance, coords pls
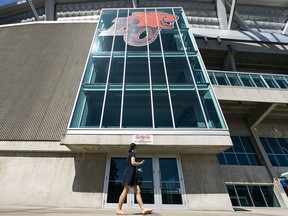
(4, 3)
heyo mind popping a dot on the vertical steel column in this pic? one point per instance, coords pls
(50, 10)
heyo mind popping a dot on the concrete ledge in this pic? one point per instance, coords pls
(161, 143)
(251, 94)
(29, 146)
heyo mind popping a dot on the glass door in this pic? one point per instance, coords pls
(146, 184)
(170, 183)
(161, 183)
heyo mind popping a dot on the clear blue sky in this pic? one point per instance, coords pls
(4, 3)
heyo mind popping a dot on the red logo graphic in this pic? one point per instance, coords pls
(135, 32)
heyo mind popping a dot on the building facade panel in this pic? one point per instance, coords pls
(41, 70)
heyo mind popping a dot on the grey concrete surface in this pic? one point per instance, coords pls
(43, 211)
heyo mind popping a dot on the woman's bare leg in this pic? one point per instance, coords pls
(139, 200)
(122, 200)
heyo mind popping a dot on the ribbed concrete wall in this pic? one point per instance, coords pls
(40, 68)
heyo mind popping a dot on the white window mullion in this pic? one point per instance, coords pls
(124, 73)
(108, 75)
(166, 76)
(150, 76)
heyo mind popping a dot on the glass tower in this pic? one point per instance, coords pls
(144, 70)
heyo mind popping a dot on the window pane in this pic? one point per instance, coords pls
(282, 160)
(231, 159)
(254, 160)
(271, 83)
(137, 109)
(221, 158)
(221, 79)
(212, 79)
(256, 196)
(101, 66)
(233, 195)
(284, 144)
(281, 82)
(266, 145)
(275, 146)
(246, 80)
(162, 111)
(197, 70)
(243, 195)
(155, 45)
(258, 81)
(234, 80)
(157, 71)
(269, 196)
(94, 101)
(187, 112)
(273, 160)
(210, 108)
(137, 70)
(116, 71)
(111, 117)
(247, 145)
(242, 158)
(237, 145)
(170, 183)
(178, 70)
(115, 187)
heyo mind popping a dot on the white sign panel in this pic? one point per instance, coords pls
(142, 139)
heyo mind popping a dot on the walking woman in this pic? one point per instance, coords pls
(130, 180)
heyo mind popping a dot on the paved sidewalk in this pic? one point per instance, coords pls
(46, 211)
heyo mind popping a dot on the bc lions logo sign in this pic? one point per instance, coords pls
(135, 32)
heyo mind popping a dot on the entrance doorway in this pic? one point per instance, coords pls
(162, 185)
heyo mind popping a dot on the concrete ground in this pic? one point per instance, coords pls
(46, 211)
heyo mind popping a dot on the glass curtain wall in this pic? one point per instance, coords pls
(144, 71)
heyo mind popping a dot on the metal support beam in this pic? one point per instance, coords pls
(50, 10)
(285, 30)
(221, 13)
(232, 12)
(135, 3)
(32, 8)
(237, 18)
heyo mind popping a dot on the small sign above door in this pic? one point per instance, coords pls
(142, 139)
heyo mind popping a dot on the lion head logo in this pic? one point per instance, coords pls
(135, 32)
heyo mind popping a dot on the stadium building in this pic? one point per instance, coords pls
(200, 85)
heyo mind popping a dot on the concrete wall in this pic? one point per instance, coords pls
(205, 187)
(52, 179)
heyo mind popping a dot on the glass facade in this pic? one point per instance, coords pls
(242, 153)
(144, 71)
(276, 150)
(248, 80)
(252, 195)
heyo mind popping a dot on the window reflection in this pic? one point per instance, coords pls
(242, 153)
(254, 196)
